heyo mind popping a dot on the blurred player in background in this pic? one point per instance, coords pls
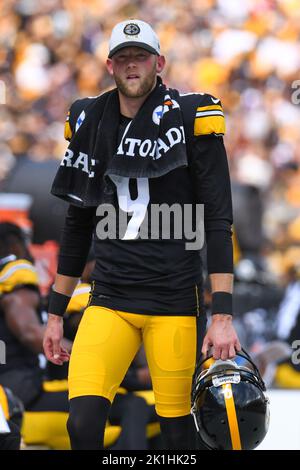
(22, 331)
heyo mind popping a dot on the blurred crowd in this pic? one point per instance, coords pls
(247, 53)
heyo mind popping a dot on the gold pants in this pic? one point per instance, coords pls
(107, 341)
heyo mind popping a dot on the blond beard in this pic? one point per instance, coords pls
(144, 88)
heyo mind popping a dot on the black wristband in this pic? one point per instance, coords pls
(221, 303)
(58, 303)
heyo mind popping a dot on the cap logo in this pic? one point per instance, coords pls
(131, 29)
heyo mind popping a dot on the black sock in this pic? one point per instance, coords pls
(86, 423)
(178, 433)
(132, 413)
(12, 440)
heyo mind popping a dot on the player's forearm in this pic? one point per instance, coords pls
(219, 250)
(65, 284)
(25, 327)
(75, 241)
(221, 282)
(32, 337)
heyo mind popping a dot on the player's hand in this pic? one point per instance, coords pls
(53, 338)
(222, 337)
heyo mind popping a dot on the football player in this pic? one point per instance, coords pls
(140, 146)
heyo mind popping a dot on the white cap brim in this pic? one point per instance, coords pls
(132, 43)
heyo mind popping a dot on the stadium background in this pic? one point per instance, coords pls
(245, 52)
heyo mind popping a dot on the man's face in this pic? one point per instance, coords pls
(134, 70)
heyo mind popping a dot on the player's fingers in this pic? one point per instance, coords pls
(217, 352)
(48, 350)
(56, 347)
(238, 346)
(205, 347)
(56, 358)
(65, 353)
(224, 353)
(232, 351)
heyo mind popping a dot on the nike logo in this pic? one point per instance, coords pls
(101, 296)
(215, 100)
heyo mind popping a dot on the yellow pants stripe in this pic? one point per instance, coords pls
(232, 418)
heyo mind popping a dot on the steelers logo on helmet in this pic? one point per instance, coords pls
(131, 29)
(229, 405)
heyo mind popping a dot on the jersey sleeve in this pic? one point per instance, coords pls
(209, 118)
(17, 274)
(211, 180)
(76, 240)
(75, 117)
(68, 131)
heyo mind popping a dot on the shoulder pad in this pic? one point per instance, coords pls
(67, 130)
(76, 116)
(16, 274)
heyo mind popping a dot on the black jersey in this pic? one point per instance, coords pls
(157, 274)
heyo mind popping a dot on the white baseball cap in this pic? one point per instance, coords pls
(133, 33)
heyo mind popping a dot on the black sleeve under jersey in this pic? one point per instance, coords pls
(76, 240)
(211, 180)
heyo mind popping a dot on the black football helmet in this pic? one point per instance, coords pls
(229, 406)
